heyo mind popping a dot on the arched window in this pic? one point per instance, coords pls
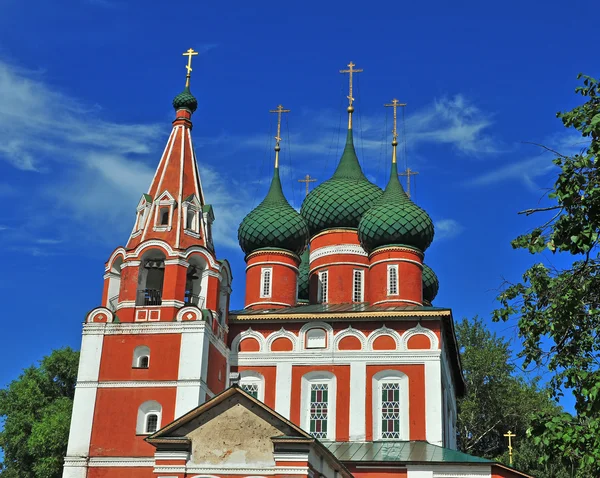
(164, 216)
(141, 357)
(149, 418)
(316, 338)
(318, 404)
(390, 406)
(114, 283)
(253, 383)
(151, 277)
(196, 281)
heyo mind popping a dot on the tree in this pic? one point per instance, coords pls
(558, 309)
(36, 409)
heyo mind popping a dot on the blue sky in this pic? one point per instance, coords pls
(85, 93)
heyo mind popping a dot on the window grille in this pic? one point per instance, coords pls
(319, 410)
(390, 410)
(322, 291)
(250, 389)
(151, 423)
(357, 291)
(265, 288)
(392, 280)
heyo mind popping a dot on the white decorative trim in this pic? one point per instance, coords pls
(171, 303)
(235, 344)
(396, 260)
(350, 332)
(419, 329)
(391, 376)
(204, 252)
(171, 455)
(358, 387)
(337, 249)
(139, 383)
(195, 235)
(329, 264)
(381, 332)
(403, 301)
(149, 244)
(266, 282)
(177, 262)
(283, 388)
(130, 264)
(434, 418)
(224, 470)
(268, 263)
(113, 256)
(100, 311)
(316, 325)
(285, 334)
(134, 328)
(290, 456)
(269, 302)
(190, 309)
(109, 461)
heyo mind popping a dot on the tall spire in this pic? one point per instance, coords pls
(351, 70)
(279, 112)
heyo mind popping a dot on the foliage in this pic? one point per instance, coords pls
(36, 409)
(558, 310)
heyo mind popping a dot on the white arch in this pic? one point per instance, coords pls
(139, 352)
(391, 376)
(113, 256)
(204, 252)
(145, 409)
(420, 330)
(235, 344)
(383, 331)
(250, 377)
(316, 325)
(350, 332)
(282, 333)
(100, 311)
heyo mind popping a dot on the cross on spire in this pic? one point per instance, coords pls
(408, 173)
(279, 112)
(307, 179)
(394, 104)
(190, 53)
(351, 70)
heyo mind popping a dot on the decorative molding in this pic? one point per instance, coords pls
(177, 262)
(350, 332)
(396, 248)
(420, 330)
(380, 333)
(120, 461)
(420, 264)
(263, 302)
(249, 333)
(278, 252)
(141, 384)
(135, 328)
(103, 315)
(171, 303)
(149, 244)
(337, 249)
(203, 251)
(195, 235)
(282, 333)
(130, 264)
(113, 256)
(329, 264)
(316, 325)
(285, 264)
(193, 311)
(404, 301)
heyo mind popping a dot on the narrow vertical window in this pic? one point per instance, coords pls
(319, 401)
(392, 280)
(357, 289)
(164, 216)
(322, 290)
(390, 410)
(265, 282)
(151, 422)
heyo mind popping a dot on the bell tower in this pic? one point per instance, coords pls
(163, 316)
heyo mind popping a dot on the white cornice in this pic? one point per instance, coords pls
(177, 262)
(126, 328)
(396, 260)
(337, 249)
(120, 461)
(269, 263)
(339, 357)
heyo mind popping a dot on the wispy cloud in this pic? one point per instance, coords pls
(447, 229)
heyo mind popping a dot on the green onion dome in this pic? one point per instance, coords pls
(342, 200)
(185, 99)
(395, 220)
(303, 276)
(431, 284)
(273, 224)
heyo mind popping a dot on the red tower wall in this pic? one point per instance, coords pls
(284, 279)
(410, 276)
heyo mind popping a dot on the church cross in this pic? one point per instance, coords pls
(394, 104)
(408, 173)
(510, 435)
(190, 53)
(351, 70)
(279, 112)
(307, 179)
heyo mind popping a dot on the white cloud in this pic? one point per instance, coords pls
(447, 229)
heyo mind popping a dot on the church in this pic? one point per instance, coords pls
(338, 366)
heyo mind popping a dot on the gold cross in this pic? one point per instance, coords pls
(307, 179)
(408, 173)
(190, 53)
(394, 104)
(279, 112)
(351, 71)
(510, 435)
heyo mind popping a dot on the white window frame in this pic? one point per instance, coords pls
(307, 337)
(361, 285)
(391, 376)
(390, 290)
(249, 377)
(314, 378)
(150, 407)
(266, 279)
(165, 200)
(139, 352)
(323, 287)
(192, 205)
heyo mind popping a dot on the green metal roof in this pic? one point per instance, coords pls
(431, 284)
(273, 224)
(342, 200)
(395, 220)
(399, 451)
(185, 99)
(338, 308)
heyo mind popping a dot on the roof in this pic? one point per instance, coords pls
(365, 312)
(399, 451)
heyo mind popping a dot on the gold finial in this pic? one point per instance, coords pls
(351, 70)
(510, 435)
(190, 53)
(279, 112)
(408, 173)
(307, 179)
(394, 104)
